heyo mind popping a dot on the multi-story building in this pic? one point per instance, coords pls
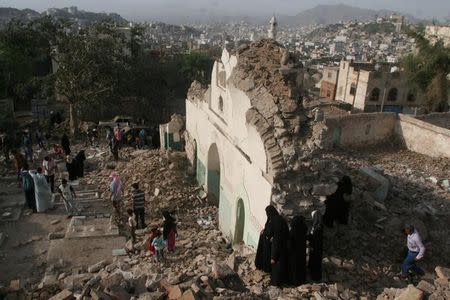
(373, 87)
(329, 82)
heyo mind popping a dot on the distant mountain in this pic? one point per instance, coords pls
(69, 13)
(9, 13)
(332, 14)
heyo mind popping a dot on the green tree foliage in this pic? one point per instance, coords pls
(25, 56)
(427, 70)
(197, 66)
(90, 64)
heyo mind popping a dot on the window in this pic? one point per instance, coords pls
(411, 97)
(220, 104)
(353, 89)
(392, 95)
(375, 94)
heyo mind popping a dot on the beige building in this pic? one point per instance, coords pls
(373, 87)
(435, 33)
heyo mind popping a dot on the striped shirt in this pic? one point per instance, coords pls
(138, 198)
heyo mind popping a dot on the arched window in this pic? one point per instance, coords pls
(411, 96)
(375, 94)
(392, 95)
(220, 104)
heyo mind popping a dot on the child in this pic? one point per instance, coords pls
(152, 236)
(132, 224)
(159, 245)
(169, 230)
(68, 196)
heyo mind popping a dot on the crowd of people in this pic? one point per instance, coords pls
(282, 252)
(290, 254)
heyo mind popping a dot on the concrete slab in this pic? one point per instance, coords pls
(83, 252)
(382, 190)
(10, 214)
(83, 227)
(10, 200)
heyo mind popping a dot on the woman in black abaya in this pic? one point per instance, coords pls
(316, 247)
(297, 251)
(79, 163)
(262, 260)
(279, 251)
(337, 208)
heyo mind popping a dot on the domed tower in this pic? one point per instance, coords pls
(272, 32)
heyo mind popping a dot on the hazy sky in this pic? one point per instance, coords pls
(152, 8)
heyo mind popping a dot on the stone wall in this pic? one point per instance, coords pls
(355, 130)
(423, 137)
(437, 119)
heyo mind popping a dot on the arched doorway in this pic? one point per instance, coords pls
(213, 179)
(240, 222)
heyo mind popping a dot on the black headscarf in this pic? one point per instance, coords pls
(271, 212)
(169, 224)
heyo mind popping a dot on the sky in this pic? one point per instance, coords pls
(152, 8)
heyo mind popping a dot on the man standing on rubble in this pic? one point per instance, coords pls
(416, 251)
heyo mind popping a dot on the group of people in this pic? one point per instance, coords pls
(158, 240)
(282, 251)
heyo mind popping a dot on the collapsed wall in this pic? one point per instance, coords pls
(272, 81)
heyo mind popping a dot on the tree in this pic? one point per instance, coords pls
(90, 64)
(427, 70)
(25, 58)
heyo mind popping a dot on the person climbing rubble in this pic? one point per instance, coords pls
(116, 191)
(169, 230)
(132, 224)
(138, 200)
(68, 196)
(416, 252)
(337, 208)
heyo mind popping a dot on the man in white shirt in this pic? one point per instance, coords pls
(416, 251)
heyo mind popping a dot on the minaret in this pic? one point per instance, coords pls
(272, 32)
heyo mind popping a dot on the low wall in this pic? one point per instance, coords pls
(359, 129)
(423, 137)
(438, 119)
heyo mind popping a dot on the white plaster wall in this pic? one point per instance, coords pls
(239, 177)
(422, 137)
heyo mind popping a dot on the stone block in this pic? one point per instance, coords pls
(97, 267)
(173, 291)
(112, 280)
(152, 296)
(99, 295)
(324, 189)
(426, 287)
(442, 272)
(118, 293)
(381, 192)
(410, 293)
(56, 235)
(64, 295)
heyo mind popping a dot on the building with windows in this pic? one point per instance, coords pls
(328, 83)
(372, 87)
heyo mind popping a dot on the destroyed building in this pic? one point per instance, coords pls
(252, 142)
(242, 133)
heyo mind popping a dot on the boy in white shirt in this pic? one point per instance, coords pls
(416, 251)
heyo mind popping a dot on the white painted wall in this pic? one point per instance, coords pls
(240, 178)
